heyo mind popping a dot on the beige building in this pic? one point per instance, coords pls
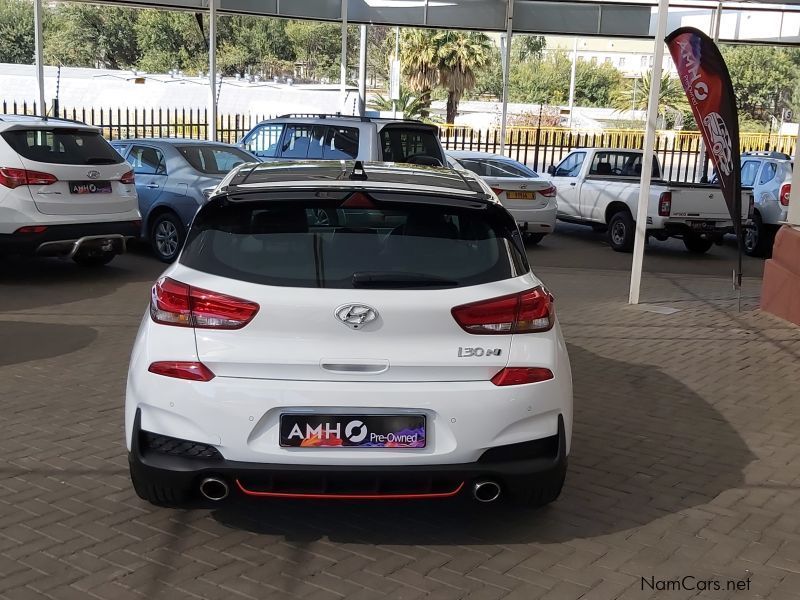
(633, 58)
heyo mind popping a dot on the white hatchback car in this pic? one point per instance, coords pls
(348, 331)
(64, 191)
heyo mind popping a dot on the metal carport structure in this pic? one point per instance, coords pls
(775, 23)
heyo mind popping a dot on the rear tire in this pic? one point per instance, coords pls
(757, 238)
(534, 238)
(544, 492)
(93, 260)
(621, 231)
(696, 244)
(166, 236)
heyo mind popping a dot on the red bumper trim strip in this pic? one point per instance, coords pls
(258, 494)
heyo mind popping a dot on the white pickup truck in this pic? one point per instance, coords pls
(600, 187)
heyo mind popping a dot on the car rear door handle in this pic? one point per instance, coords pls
(573, 184)
(152, 186)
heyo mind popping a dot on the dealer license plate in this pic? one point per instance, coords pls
(90, 187)
(352, 431)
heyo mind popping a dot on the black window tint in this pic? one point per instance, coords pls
(767, 173)
(317, 243)
(476, 166)
(341, 143)
(399, 144)
(62, 146)
(517, 169)
(296, 141)
(147, 161)
(263, 141)
(213, 160)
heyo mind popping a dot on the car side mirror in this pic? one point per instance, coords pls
(551, 170)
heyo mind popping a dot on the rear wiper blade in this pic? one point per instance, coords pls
(399, 280)
(101, 160)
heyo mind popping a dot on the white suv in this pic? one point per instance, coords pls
(64, 191)
(348, 331)
(342, 137)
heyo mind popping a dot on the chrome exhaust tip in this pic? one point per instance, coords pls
(485, 491)
(213, 488)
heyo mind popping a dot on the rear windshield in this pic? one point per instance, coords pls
(385, 245)
(62, 146)
(402, 144)
(214, 160)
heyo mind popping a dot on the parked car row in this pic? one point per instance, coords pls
(65, 191)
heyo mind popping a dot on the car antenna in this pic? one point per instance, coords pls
(358, 171)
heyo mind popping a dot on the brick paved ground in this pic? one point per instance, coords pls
(686, 458)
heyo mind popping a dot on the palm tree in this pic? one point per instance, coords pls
(459, 54)
(635, 96)
(411, 106)
(420, 66)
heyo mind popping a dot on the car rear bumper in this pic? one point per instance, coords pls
(518, 468)
(535, 220)
(66, 240)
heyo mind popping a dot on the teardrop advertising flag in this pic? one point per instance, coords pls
(707, 83)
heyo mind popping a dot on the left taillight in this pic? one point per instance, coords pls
(665, 204)
(530, 311)
(13, 178)
(129, 178)
(786, 191)
(189, 370)
(178, 304)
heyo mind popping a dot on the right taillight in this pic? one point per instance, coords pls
(189, 370)
(13, 178)
(128, 178)
(521, 375)
(549, 192)
(179, 304)
(786, 191)
(530, 311)
(664, 204)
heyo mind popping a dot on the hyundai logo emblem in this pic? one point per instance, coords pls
(93, 174)
(355, 316)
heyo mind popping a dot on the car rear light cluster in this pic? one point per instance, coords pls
(13, 178)
(665, 204)
(530, 311)
(549, 192)
(129, 178)
(497, 191)
(786, 191)
(521, 375)
(181, 305)
(31, 229)
(189, 370)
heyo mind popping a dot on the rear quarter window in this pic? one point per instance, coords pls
(408, 144)
(62, 146)
(328, 245)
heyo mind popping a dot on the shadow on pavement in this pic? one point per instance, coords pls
(644, 446)
(27, 283)
(24, 341)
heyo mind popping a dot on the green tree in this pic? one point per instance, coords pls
(171, 40)
(636, 95)
(319, 47)
(83, 35)
(459, 56)
(527, 47)
(411, 106)
(16, 31)
(419, 59)
(763, 78)
(254, 45)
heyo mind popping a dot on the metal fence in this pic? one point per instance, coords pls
(538, 147)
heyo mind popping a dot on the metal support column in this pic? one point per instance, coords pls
(647, 158)
(572, 81)
(212, 70)
(362, 72)
(506, 70)
(343, 62)
(39, 44)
